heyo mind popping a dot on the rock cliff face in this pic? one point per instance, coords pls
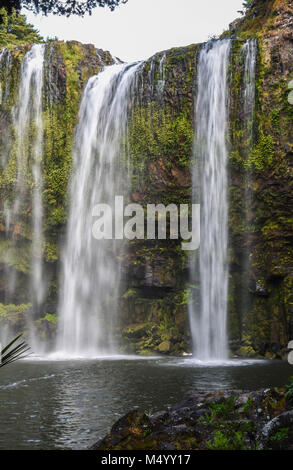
(260, 194)
(267, 322)
(155, 287)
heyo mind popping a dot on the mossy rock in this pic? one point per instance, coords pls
(246, 351)
(136, 330)
(164, 347)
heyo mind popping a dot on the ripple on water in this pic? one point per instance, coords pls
(193, 362)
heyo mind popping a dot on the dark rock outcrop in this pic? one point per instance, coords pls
(230, 420)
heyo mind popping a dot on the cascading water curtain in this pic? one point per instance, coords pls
(249, 54)
(208, 324)
(91, 268)
(27, 147)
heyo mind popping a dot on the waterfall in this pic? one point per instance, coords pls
(249, 51)
(29, 113)
(91, 268)
(5, 63)
(209, 324)
(2, 54)
(151, 76)
(28, 127)
(162, 77)
(38, 286)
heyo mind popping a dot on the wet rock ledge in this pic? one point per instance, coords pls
(226, 420)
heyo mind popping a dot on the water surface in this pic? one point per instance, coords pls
(71, 404)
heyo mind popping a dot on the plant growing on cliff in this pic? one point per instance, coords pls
(262, 154)
(280, 436)
(223, 441)
(11, 310)
(289, 389)
(49, 317)
(247, 4)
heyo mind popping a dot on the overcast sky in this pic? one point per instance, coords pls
(140, 28)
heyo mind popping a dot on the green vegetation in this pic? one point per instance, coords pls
(280, 436)
(156, 133)
(49, 317)
(262, 153)
(15, 30)
(289, 389)
(219, 411)
(226, 419)
(157, 137)
(11, 310)
(247, 4)
(224, 441)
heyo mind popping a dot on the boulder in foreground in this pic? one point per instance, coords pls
(226, 420)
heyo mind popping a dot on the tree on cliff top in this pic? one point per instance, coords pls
(14, 29)
(59, 7)
(247, 3)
